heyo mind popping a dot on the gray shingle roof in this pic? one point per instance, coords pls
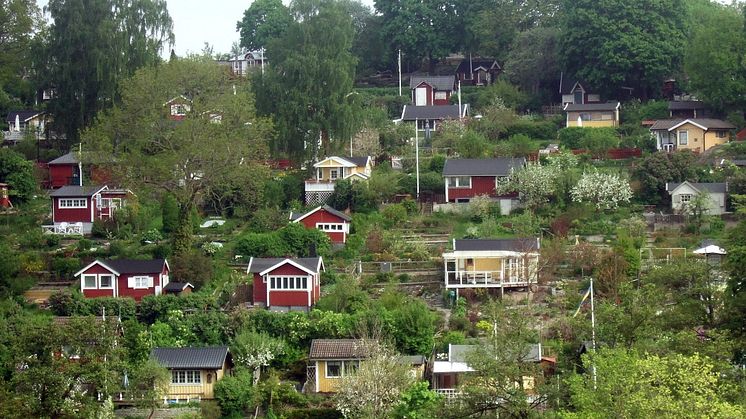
(575, 107)
(260, 264)
(69, 158)
(437, 113)
(210, 358)
(675, 105)
(460, 353)
(709, 187)
(438, 82)
(177, 286)
(709, 123)
(464, 66)
(76, 191)
(482, 167)
(514, 245)
(135, 266)
(412, 359)
(337, 349)
(296, 215)
(359, 161)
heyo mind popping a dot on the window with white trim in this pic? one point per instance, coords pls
(186, 377)
(333, 369)
(106, 281)
(288, 282)
(459, 182)
(720, 134)
(178, 110)
(685, 197)
(683, 137)
(333, 174)
(73, 203)
(89, 281)
(141, 281)
(441, 96)
(330, 227)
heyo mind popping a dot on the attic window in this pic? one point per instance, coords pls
(178, 110)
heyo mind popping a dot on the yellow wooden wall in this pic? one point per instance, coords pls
(326, 385)
(572, 120)
(202, 390)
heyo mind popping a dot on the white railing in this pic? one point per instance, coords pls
(319, 186)
(483, 279)
(448, 393)
(63, 228)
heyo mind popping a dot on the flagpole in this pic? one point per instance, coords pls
(399, 61)
(593, 334)
(417, 155)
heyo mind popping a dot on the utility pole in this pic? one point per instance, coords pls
(593, 335)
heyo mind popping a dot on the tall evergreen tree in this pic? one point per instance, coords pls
(93, 44)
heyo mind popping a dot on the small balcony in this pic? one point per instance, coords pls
(448, 393)
(314, 185)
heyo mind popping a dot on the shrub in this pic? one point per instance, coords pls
(152, 236)
(170, 213)
(192, 267)
(18, 173)
(540, 130)
(236, 394)
(65, 267)
(395, 214)
(84, 245)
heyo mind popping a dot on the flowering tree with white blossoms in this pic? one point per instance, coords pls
(256, 350)
(604, 190)
(534, 183)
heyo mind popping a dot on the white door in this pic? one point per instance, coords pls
(420, 96)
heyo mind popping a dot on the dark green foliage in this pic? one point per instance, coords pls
(417, 402)
(74, 304)
(656, 169)
(9, 267)
(578, 138)
(18, 173)
(293, 240)
(64, 267)
(429, 182)
(620, 43)
(437, 162)
(537, 130)
(170, 213)
(735, 296)
(262, 22)
(236, 394)
(313, 413)
(414, 327)
(353, 195)
(193, 267)
(153, 308)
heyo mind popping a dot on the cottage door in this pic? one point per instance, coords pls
(420, 96)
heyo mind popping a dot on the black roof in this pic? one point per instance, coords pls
(524, 244)
(22, 115)
(210, 358)
(438, 82)
(675, 105)
(260, 264)
(295, 215)
(608, 106)
(359, 161)
(410, 112)
(135, 266)
(76, 191)
(464, 66)
(69, 158)
(502, 166)
(568, 81)
(177, 286)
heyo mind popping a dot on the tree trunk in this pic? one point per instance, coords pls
(182, 237)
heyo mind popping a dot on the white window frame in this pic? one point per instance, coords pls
(333, 174)
(95, 281)
(72, 203)
(186, 377)
(287, 283)
(341, 369)
(137, 279)
(685, 139)
(179, 109)
(440, 95)
(457, 182)
(720, 134)
(685, 198)
(331, 227)
(100, 282)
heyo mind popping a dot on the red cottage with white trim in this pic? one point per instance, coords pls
(334, 223)
(286, 284)
(75, 208)
(124, 278)
(65, 170)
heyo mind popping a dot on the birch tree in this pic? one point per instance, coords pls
(254, 350)
(603, 190)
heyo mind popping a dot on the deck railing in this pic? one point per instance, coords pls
(63, 229)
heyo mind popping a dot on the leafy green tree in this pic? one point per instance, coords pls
(533, 62)
(169, 213)
(94, 45)
(534, 183)
(691, 287)
(713, 57)
(616, 43)
(655, 170)
(628, 384)
(189, 159)
(604, 190)
(149, 384)
(734, 318)
(19, 20)
(254, 350)
(414, 327)
(472, 145)
(263, 21)
(308, 87)
(235, 394)
(417, 402)
(18, 173)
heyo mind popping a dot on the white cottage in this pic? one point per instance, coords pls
(682, 194)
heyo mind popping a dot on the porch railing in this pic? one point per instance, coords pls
(63, 228)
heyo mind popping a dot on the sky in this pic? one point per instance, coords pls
(200, 21)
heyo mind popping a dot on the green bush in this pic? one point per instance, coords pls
(395, 214)
(539, 130)
(65, 267)
(18, 173)
(169, 213)
(292, 240)
(236, 394)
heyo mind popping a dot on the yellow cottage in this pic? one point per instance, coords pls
(593, 115)
(492, 263)
(332, 169)
(694, 134)
(194, 371)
